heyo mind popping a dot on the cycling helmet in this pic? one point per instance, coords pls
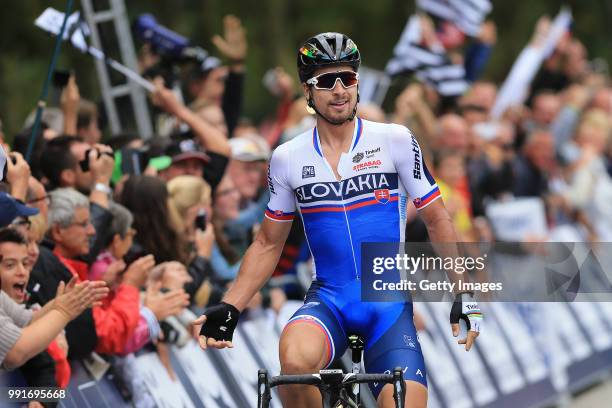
(326, 49)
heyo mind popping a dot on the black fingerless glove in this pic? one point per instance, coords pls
(221, 321)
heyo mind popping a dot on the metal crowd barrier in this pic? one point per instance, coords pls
(530, 355)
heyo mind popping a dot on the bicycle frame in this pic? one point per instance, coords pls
(330, 383)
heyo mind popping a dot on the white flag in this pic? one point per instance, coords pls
(467, 15)
(515, 89)
(51, 21)
(430, 64)
(2, 162)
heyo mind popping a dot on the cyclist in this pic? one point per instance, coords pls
(348, 179)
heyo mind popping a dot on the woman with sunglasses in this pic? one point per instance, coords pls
(350, 180)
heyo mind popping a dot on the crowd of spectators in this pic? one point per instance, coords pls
(167, 241)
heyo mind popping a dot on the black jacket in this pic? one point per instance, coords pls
(46, 275)
(232, 100)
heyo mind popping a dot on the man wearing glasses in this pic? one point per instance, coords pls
(37, 197)
(350, 180)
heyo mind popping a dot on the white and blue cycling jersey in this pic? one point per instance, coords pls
(383, 169)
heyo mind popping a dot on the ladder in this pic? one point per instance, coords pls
(118, 15)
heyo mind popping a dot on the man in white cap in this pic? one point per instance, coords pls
(247, 169)
(250, 154)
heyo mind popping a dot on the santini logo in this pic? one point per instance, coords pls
(416, 172)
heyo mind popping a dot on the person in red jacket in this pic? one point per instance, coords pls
(71, 230)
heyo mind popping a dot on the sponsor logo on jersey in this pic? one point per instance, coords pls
(416, 172)
(368, 155)
(270, 183)
(308, 171)
(370, 164)
(371, 153)
(408, 341)
(352, 187)
(402, 207)
(382, 195)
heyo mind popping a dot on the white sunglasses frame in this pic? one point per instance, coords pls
(314, 80)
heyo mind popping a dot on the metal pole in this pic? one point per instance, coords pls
(45, 90)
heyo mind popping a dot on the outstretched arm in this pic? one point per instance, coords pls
(210, 137)
(258, 263)
(257, 266)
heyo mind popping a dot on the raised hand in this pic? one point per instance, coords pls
(164, 98)
(165, 304)
(101, 163)
(233, 44)
(73, 298)
(138, 272)
(17, 175)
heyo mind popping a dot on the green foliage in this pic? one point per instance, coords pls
(275, 29)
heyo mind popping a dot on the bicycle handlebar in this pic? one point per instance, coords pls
(327, 380)
(315, 379)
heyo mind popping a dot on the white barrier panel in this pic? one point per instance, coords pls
(589, 314)
(204, 376)
(499, 357)
(165, 391)
(559, 316)
(440, 365)
(521, 341)
(244, 366)
(481, 388)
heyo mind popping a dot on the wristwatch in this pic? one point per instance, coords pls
(103, 188)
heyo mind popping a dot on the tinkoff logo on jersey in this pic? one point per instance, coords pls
(349, 188)
(357, 158)
(371, 153)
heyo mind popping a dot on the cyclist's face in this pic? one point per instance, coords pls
(336, 104)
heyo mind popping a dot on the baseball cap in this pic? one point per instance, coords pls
(249, 148)
(184, 150)
(209, 64)
(11, 208)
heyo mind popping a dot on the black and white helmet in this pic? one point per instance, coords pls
(326, 49)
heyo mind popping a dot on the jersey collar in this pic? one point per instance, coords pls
(356, 136)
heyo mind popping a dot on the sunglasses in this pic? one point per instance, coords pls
(328, 80)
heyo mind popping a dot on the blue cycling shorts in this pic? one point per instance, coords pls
(387, 329)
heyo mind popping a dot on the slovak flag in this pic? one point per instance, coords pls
(382, 195)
